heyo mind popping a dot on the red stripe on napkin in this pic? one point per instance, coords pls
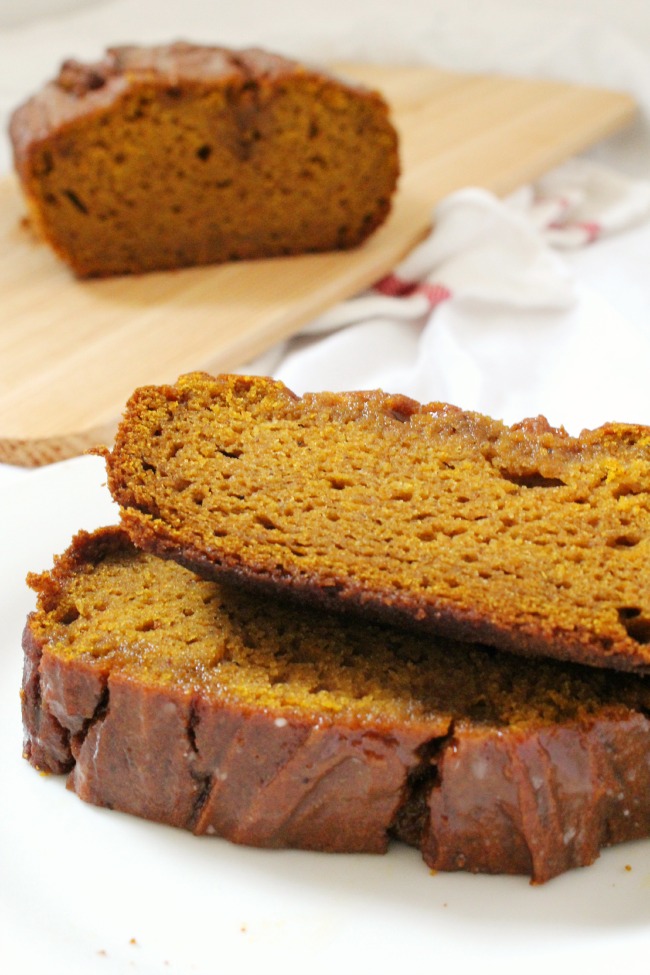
(589, 229)
(394, 287)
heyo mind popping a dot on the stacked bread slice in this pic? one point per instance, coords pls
(332, 620)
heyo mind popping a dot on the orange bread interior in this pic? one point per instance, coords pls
(520, 537)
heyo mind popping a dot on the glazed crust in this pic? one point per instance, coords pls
(523, 537)
(169, 757)
(537, 797)
(537, 803)
(551, 797)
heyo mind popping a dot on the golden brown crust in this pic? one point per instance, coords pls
(161, 707)
(520, 537)
(184, 154)
(82, 89)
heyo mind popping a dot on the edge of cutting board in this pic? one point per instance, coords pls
(72, 351)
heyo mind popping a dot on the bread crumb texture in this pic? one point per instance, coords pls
(169, 156)
(521, 537)
(124, 611)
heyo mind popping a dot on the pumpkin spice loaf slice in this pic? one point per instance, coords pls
(521, 537)
(182, 154)
(223, 712)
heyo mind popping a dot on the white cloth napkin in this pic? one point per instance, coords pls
(486, 313)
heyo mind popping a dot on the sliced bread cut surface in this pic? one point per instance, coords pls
(521, 537)
(180, 154)
(223, 712)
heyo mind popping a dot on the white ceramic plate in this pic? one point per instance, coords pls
(85, 890)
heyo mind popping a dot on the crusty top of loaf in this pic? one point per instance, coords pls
(521, 537)
(82, 88)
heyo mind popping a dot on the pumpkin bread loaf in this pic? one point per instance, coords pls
(521, 537)
(210, 708)
(161, 157)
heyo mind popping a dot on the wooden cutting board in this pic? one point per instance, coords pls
(71, 352)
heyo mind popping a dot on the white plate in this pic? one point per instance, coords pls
(85, 890)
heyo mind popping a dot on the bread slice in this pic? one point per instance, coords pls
(213, 709)
(522, 537)
(161, 157)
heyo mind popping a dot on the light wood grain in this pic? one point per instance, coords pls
(71, 352)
